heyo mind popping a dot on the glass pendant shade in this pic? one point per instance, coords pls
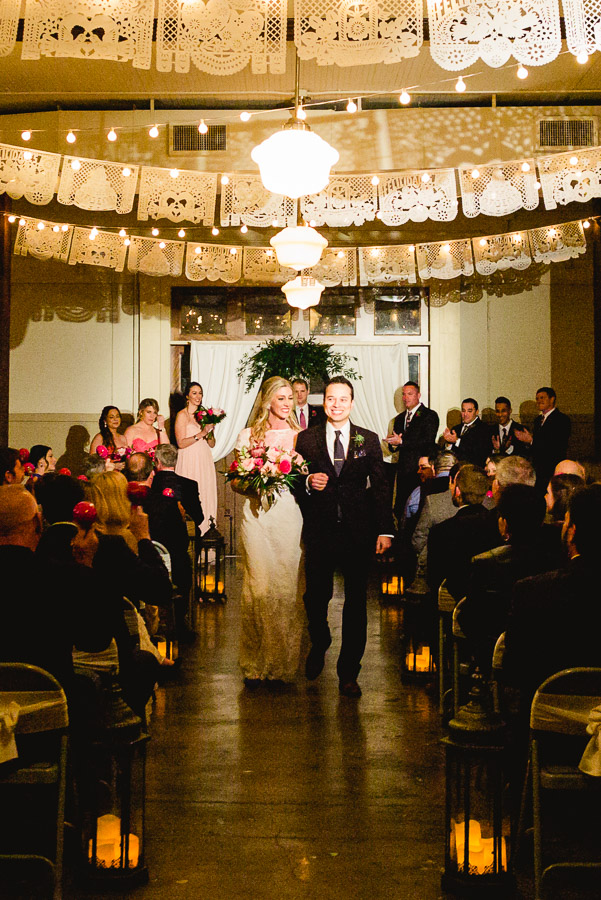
(298, 247)
(295, 162)
(303, 292)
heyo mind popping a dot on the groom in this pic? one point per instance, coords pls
(345, 503)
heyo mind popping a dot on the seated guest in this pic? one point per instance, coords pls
(570, 467)
(11, 467)
(504, 439)
(509, 470)
(58, 495)
(425, 473)
(482, 615)
(94, 465)
(126, 554)
(559, 491)
(471, 439)
(452, 544)
(555, 619)
(42, 459)
(54, 606)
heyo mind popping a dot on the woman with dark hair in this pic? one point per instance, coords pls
(42, 459)
(559, 491)
(108, 435)
(149, 429)
(195, 459)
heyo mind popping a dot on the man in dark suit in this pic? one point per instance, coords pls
(504, 439)
(471, 439)
(413, 434)
(549, 438)
(306, 414)
(338, 509)
(555, 619)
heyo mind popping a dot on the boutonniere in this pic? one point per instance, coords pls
(418, 413)
(358, 440)
(313, 413)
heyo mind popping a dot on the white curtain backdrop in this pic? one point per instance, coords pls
(214, 364)
(384, 367)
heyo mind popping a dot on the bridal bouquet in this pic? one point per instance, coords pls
(265, 472)
(210, 416)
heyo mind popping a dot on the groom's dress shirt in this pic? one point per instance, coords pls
(345, 434)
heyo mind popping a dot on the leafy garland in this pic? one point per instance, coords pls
(295, 358)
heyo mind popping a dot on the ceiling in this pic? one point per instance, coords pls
(44, 84)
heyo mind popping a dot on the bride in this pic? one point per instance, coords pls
(273, 615)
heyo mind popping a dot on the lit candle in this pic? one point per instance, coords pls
(384, 587)
(480, 850)
(210, 583)
(108, 844)
(220, 587)
(162, 647)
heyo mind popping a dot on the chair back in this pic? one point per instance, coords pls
(563, 701)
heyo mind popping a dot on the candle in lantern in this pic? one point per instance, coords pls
(220, 587)
(384, 587)
(480, 850)
(162, 647)
(422, 660)
(209, 583)
(108, 844)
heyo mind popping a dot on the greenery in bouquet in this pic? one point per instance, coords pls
(264, 472)
(210, 416)
(293, 358)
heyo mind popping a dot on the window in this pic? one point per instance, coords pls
(398, 311)
(203, 313)
(334, 315)
(266, 312)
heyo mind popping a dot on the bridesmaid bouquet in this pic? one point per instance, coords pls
(264, 472)
(210, 416)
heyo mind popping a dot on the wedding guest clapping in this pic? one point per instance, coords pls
(149, 429)
(195, 459)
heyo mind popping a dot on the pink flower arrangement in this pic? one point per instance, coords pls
(29, 468)
(23, 454)
(264, 472)
(64, 471)
(118, 455)
(168, 492)
(211, 416)
(84, 513)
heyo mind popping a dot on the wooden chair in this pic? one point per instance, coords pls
(560, 707)
(41, 737)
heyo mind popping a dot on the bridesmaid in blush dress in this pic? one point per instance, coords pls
(195, 459)
(149, 430)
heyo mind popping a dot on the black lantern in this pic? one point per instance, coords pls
(167, 645)
(417, 661)
(391, 580)
(113, 796)
(477, 829)
(211, 566)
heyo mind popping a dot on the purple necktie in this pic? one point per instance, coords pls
(303, 420)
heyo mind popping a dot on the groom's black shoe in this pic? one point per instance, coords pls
(349, 689)
(315, 662)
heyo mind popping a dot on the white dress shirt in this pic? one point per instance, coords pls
(304, 409)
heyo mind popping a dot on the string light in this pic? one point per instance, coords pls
(340, 254)
(225, 179)
(126, 172)
(93, 233)
(374, 251)
(174, 173)
(41, 226)
(123, 233)
(411, 248)
(153, 132)
(573, 160)
(446, 248)
(244, 229)
(233, 251)
(274, 223)
(203, 127)
(75, 165)
(245, 116)
(71, 138)
(26, 135)
(22, 223)
(155, 232)
(214, 231)
(375, 181)
(181, 233)
(522, 72)
(197, 250)
(64, 227)
(460, 85)
(537, 185)
(351, 106)
(483, 242)
(56, 229)
(12, 219)
(28, 155)
(162, 245)
(404, 98)
(582, 57)
(475, 174)
(525, 167)
(586, 224)
(112, 135)
(425, 177)
(126, 242)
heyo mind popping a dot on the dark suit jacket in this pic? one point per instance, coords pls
(185, 490)
(513, 447)
(549, 444)
(317, 415)
(418, 438)
(475, 445)
(554, 623)
(451, 546)
(365, 511)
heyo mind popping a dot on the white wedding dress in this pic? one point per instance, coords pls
(273, 582)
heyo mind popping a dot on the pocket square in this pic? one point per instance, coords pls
(357, 454)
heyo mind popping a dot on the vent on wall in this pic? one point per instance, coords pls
(567, 133)
(186, 139)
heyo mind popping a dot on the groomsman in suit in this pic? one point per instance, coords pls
(306, 414)
(413, 434)
(504, 439)
(549, 438)
(471, 439)
(346, 490)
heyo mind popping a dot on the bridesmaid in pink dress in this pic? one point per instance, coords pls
(195, 459)
(149, 429)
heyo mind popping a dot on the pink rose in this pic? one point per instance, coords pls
(285, 466)
(247, 464)
(273, 454)
(210, 411)
(102, 451)
(233, 466)
(29, 468)
(257, 451)
(259, 462)
(269, 468)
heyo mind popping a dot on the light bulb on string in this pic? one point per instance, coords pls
(214, 231)
(112, 135)
(244, 116)
(126, 171)
(404, 98)
(12, 219)
(93, 233)
(460, 85)
(26, 135)
(75, 165)
(410, 248)
(426, 177)
(573, 160)
(537, 185)
(155, 232)
(522, 72)
(203, 127)
(28, 155)
(586, 224)
(446, 248)
(233, 251)
(162, 245)
(351, 106)
(174, 173)
(225, 179)
(582, 57)
(181, 233)
(64, 227)
(22, 223)
(71, 138)
(153, 132)
(126, 242)
(483, 242)
(475, 174)
(41, 226)
(525, 167)
(123, 233)
(56, 229)
(197, 250)
(244, 229)
(375, 181)
(340, 254)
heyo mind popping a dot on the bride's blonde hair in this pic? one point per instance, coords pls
(260, 423)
